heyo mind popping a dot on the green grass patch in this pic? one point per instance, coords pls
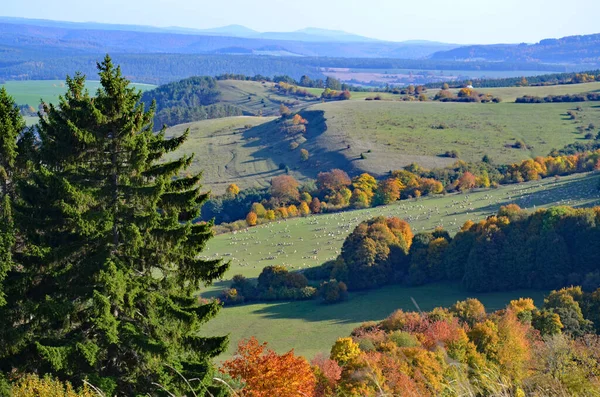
(310, 328)
(30, 92)
(396, 134)
(509, 94)
(256, 98)
(400, 133)
(299, 243)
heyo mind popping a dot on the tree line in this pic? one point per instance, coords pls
(335, 190)
(546, 249)
(534, 81)
(590, 96)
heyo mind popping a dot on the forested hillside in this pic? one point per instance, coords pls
(572, 49)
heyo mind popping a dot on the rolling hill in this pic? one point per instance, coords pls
(389, 134)
(571, 49)
(310, 327)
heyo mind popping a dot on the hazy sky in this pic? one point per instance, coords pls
(457, 21)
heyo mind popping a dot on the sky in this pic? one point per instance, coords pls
(451, 21)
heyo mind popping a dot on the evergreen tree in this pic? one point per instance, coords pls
(11, 126)
(105, 290)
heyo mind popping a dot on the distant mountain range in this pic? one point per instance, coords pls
(570, 50)
(233, 39)
(44, 49)
(307, 34)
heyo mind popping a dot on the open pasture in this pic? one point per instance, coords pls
(510, 94)
(311, 328)
(258, 98)
(389, 135)
(394, 134)
(298, 243)
(30, 92)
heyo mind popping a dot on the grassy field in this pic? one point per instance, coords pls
(257, 98)
(29, 92)
(509, 94)
(226, 153)
(400, 133)
(311, 328)
(391, 135)
(300, 243)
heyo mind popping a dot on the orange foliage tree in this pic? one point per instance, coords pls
(284, 188)
(333, 181)
(266, 374)
(251, 219)
(467, 181)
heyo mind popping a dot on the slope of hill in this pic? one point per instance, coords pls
(379, 136)
(571, 49)
(310, 327)
(225, 153)
(201, 98)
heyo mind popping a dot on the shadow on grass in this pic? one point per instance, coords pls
(271, 143)
(379, 303)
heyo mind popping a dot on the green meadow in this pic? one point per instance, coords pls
(31, 92)
(300, 243)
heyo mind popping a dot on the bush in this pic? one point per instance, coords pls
(33, 386)
(333, 291)
(404, 339)
(322, 272)
(231, 296)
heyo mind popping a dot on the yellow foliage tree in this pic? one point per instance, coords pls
(304, 209)
(251, 219)
(344, 350)
(233, 190)
(33, 386)
(270, 215)
(292, 210)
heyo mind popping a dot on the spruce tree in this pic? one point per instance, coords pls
(106, 287)
(12, 125)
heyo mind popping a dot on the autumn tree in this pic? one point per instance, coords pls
(251, 219)
(375, 253)
(364, 190)
(470, 311)
(388, 191)
(315, 205)
(232, 190)
(333, 181)
(304, 154)
(304, 209)
(266, 374)
(328, 373)
(284, 111)
(284, 189)
(259, 210)
(344, 350)
(467, 181)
